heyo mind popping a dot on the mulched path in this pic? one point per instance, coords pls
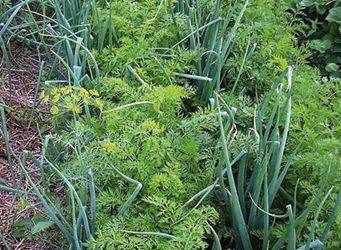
(17, 91)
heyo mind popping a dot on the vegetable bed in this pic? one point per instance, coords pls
(186, 124)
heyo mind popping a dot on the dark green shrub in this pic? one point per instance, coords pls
(322, 33)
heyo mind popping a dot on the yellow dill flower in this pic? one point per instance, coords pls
(108, 146)
(77, 109)
(22, 203)
(43, 97)
(83, 92)
(68, 103)
(54, 110)
(93, 92)
(66, 90)
(55, 98)
(76, 98)
(54, 91)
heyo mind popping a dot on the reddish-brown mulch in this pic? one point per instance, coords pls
(17, 92)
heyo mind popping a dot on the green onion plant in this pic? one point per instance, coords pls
(212, 33)
(249, 184)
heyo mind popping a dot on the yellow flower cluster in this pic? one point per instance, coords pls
(71, 98)
(108, 146)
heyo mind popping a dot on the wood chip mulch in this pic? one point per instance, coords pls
(17, 92)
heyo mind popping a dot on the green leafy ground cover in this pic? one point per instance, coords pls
(322, 32)
(176, 164)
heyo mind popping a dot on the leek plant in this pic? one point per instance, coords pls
(5, 135)
(68, 34)
(266, 176)
(62, 29)
(213, 34)
(77, 227)
(78, 230)
(249, 184)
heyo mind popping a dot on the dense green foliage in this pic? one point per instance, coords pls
(322, 32)
(180, 125)
(316, 127)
